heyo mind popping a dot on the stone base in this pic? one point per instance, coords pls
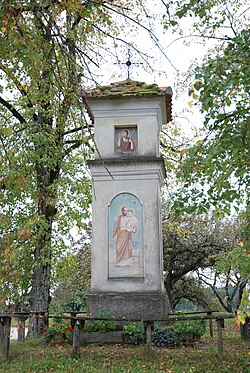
(95, 337)
(131, 306)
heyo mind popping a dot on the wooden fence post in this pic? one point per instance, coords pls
(1, 330)
(6, 337)
(76, 340)
(209, 313)
(148, 328)
(21, 328)
(220, 325)
(72, 319)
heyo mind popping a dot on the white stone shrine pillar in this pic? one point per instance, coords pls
(127, 260)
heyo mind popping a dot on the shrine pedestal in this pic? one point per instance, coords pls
(127, 173)
(133, 306)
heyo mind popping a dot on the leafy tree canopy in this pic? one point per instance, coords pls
(49, 50)
(220, 160)
(192, 243)
(215, 170)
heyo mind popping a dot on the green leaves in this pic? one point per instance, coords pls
(209, 17)
(7, 131)
(214, 172)
(221, 160)
(48, 52)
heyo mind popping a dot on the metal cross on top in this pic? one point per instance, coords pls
(129, 64)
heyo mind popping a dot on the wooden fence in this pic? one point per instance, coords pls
(78, 321)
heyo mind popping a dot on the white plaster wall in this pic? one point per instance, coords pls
(148, 114)
(143, 180)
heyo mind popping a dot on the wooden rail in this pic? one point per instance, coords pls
(208, 312)
(78, 321)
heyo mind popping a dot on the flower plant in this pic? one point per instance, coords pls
(167, 336)
(136, 333)
(61, 328)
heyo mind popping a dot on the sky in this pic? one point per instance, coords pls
(169, 67)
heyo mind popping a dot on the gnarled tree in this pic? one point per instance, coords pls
(192, 243)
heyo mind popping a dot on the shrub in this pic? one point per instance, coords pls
(190, 329)
(136, 333)
(101, 326)
(171, 335)
(61, 328)
(130, 328)
(166, 337)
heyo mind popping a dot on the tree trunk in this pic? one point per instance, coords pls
(241, 291)
(41, 277)
(48, 164)
(40, 292)
(169, 286)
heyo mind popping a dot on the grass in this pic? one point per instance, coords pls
(35, 356)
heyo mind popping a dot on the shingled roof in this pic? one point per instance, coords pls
(130, 88)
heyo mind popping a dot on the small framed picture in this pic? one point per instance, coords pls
(126, 140)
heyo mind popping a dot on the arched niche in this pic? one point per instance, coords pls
(126, 249)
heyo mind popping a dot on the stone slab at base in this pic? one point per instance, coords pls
(108, 337)
(131, 306)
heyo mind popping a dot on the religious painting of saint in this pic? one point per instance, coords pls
(125, 237)
(126, 140)
(126, 225)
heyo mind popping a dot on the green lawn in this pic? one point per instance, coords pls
(35, 356)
